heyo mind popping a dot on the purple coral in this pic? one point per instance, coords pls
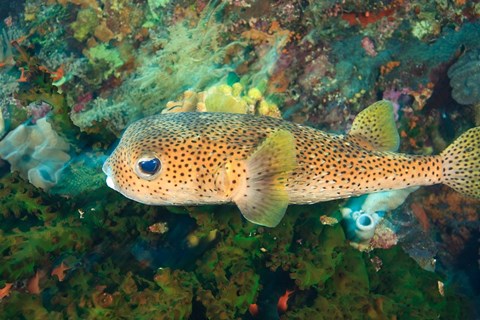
(38, 110)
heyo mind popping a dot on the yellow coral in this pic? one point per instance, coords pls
(237, 89)
(220, 99)
(225, 98)
(269, 109)
(255, 94)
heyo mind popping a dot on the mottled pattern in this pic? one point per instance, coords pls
(195, 149)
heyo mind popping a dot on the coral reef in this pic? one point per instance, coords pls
(191, 57)
(72, 248)
(8, 87)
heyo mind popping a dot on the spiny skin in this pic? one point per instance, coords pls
(195, 148)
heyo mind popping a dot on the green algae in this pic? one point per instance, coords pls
(331, 280)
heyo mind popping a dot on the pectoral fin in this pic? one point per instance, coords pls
(374, 128)
(263, 199)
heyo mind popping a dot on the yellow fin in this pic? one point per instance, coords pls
(264, 199)
(376, 126)
(461, 163)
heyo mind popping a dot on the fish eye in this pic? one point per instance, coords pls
(147, 167)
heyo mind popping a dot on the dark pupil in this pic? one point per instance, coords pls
(149, 166)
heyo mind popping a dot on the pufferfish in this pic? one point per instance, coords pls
(263, 164)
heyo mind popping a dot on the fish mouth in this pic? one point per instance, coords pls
(110, 183)
(108, 171)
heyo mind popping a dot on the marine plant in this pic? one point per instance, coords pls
(185, 61)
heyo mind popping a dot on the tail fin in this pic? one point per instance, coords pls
(461, 163)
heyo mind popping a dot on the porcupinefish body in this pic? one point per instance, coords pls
(263, 164)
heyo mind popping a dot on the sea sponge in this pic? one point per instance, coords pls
(37, 152)
(85, 24)
(362, 215)
(104, 60)
(220, 99)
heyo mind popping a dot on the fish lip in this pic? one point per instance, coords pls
(106, 167)
(110, 183)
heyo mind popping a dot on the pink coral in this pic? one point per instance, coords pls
(393, 95)
(82, 102)
(369, 46)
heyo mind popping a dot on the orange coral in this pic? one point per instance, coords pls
(253, 309)
(386, 69)
(33, 284)
(282, 304)
(275, 35)
(59, 271)
(364, 19)
(23, 77)
(449, 209)
(278, 82)
(419, 212)
(5, 291)
(58, 74)
(421, 95)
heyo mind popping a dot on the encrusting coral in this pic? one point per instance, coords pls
(225, 98)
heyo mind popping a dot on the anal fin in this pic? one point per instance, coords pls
(263, 199)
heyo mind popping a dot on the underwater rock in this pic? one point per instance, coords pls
(37, 152)
(465, 78)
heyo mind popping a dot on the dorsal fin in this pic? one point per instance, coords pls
(374, 128)
(263, 199)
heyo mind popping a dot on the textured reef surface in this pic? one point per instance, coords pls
(75, 73)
